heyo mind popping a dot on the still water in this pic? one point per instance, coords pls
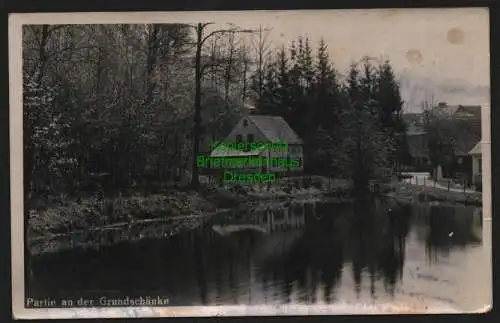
(301, 252)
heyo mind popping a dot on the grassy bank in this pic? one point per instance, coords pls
(300, 186)
(67, 215)
(55, 223)
(59, 215)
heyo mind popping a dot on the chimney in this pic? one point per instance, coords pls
(248, 109)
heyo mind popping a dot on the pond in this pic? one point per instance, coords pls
(300, 252)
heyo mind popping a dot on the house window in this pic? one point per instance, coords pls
(239, 138)
(249, 140)
(245, 122)
(480, 165)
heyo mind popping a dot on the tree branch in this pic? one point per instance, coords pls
(70, 48)
(223, 31)
(51, 30)
(213, 64)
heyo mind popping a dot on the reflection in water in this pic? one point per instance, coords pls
(444, 229)
(290, 252)
(378, 244)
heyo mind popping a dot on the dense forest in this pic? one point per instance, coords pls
(352, 126)
(117, 104)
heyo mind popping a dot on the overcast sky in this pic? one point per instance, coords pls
(430, 46)
(443, 43)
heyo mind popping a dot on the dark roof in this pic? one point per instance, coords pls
(469, 111)
(444, 111)
(458, 111)
(275, 129)
(465, 142)
(470, 127)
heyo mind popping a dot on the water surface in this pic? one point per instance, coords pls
(303, 252)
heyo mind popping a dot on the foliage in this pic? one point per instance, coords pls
(111, 107)
(108, 107)
(448, 136)
(351, 128)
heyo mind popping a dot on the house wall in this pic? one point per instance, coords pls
(295, 154)
(417, 146)
(295, 151)
(244, 131)
(461, 168)
(220, 171)
(476, 169)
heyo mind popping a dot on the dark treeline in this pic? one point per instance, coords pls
(351, 126)
(114, 104)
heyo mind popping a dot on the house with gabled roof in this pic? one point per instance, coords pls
(463, 123)
(466, 112)
(465, 130)
(268, 137)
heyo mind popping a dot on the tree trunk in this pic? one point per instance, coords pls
(195, 181)
(42, 53)
(227, 76)
(151, 62)
(245, 71)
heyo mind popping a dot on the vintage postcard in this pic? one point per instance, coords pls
(250, 163)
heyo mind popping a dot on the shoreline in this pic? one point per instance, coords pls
(190, 208)
(409, 193)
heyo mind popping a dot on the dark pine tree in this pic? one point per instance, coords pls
(368, 84)
(284, 102)
(325, 115)
(269, 99)
(300, 81)
(366, 146)
(326, 91)
(391, 110)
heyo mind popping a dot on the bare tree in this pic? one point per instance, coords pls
(261, 46)
(201, 38)
(228, 72)
(245, 69)
(214, 54)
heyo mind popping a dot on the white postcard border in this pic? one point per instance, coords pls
(16, 21)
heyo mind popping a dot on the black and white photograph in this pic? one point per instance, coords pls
(311, 162)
